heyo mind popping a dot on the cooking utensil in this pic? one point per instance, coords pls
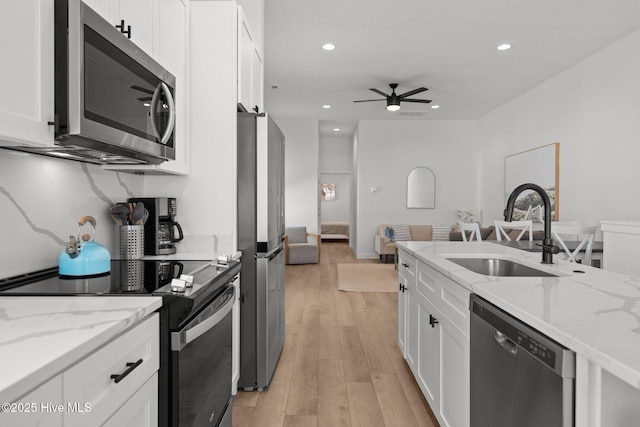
(137, 214)
(131, 214)
(120, 214)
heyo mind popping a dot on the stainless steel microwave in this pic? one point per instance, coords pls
(113, 102)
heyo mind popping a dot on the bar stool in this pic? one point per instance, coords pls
(474, 230)
(573, 231)
(524, 226)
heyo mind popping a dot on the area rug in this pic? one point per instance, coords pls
(366, 277)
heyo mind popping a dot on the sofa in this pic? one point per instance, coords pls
(385, 244)
(385, 240)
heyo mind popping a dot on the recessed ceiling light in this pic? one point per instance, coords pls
(328, 46)
(504, 46)
(435, 107)
(326, 106)
(336, 129)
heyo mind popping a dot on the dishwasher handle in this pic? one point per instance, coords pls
(505, 342)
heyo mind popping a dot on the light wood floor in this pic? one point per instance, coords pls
(340, 365)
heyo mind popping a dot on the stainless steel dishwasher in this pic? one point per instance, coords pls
(519, 377)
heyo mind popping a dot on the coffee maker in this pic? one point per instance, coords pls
(160, 229)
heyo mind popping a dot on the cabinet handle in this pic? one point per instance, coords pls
(433, 321)
(122, 30)
(130, 367)
(405, 265)
(402, 288)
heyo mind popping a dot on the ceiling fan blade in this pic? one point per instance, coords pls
(370, 100)
(423, 101)
(413, 92)
(380, 92)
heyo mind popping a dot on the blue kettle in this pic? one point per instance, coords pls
(83, 256)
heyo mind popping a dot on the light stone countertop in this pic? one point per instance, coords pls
(42, 336)
(595, 313)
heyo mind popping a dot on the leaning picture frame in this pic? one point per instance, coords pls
(539, 166)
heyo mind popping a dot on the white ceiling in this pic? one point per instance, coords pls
(448, 46)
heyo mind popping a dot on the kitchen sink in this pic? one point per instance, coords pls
(499, 267)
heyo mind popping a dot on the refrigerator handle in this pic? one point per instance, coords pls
(271, 255)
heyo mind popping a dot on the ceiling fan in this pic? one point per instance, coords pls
(393, 100)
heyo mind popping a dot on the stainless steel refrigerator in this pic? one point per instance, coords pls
(261, 240)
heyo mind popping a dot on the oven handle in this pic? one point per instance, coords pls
(183, 337)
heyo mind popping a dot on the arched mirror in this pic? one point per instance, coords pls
(421, 189)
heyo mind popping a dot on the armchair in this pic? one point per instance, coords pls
(301, 247)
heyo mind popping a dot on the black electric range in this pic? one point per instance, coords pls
(195, 374)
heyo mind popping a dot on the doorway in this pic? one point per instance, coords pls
(335, 203)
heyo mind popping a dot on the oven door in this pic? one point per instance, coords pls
(202, 357)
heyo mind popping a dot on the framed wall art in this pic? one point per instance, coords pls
(328, 191)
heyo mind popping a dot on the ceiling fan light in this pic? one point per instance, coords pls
(393, 107)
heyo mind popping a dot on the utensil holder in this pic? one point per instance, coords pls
(131, 276)
(131, 241)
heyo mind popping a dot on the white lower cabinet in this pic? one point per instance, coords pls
(108, 378)
(141, 410)
(406, 280)
(428, 359)
(38, 408)
(454, 371)
(402, 313)
(437, 342)
(117, 385)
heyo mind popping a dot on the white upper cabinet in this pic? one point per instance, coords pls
(26, 74)
(136, 14)
(250, 67)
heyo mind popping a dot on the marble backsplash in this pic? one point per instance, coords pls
(41, 201)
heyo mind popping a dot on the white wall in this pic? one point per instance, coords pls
(386, 153)
(336, 162)
(593, 111)
(338, 209)
(302, 193)
(336, 154)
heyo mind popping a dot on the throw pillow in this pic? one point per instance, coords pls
(401, 233)
(441, 232)
(388, 232)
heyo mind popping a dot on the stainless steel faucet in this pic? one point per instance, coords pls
(548, 249)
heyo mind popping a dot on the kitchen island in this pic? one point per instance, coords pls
(51, 343)
(593, 312)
